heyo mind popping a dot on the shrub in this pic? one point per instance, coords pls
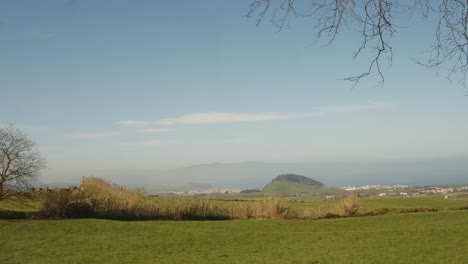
(109, 197)
(9, 215)
(79, 209)
(462, 208)
(94, 197)
(348, 206)
(380, 211)
(250, 191)
(275, 208)
(54, 203)
(418, 210)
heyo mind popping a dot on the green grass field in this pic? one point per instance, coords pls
(407, 203)
(394, 204)
(281, 187)
(396, 238)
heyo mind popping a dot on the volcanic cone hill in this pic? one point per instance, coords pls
(292, 184)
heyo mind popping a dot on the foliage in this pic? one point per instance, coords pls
(66, 204)
(419, 210)
(250, 191)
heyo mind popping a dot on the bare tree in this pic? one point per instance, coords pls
(20, 161)
(375, 22)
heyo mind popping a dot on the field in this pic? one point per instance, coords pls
(396, 238)
(394, 205)
(259, 230)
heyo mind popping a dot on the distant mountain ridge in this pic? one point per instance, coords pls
(242, 175)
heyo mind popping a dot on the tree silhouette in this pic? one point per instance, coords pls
(20, 163)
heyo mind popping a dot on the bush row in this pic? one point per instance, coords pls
(97, 198)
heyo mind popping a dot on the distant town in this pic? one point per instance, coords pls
(393, 190)
(406, 190)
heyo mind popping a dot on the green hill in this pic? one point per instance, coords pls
(295, 184)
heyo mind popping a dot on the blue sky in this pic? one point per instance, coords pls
(158, 84)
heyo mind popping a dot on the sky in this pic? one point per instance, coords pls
(109, 85)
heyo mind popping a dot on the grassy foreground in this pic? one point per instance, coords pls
(396, 238)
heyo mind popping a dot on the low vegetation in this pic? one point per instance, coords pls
(98, 198)
(438, 237)
(349, 206)
(397, 232)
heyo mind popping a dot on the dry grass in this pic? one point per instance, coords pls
(348, 206)
(101, 199)
(269, 208)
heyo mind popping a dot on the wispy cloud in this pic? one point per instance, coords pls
(225, 117)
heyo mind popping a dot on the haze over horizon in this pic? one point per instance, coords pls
(256, 174)
(109, 86)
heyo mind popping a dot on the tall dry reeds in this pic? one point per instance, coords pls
(94, 197)
(349, 206)
(106, 196)
(269, 208)
(99, 198)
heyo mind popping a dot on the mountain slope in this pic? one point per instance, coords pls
(292, 184)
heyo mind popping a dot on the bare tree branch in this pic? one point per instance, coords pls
(451, 41)
(375, 22)
(20, 162)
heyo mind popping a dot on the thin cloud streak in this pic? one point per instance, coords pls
(223, 118)
(226, 118)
